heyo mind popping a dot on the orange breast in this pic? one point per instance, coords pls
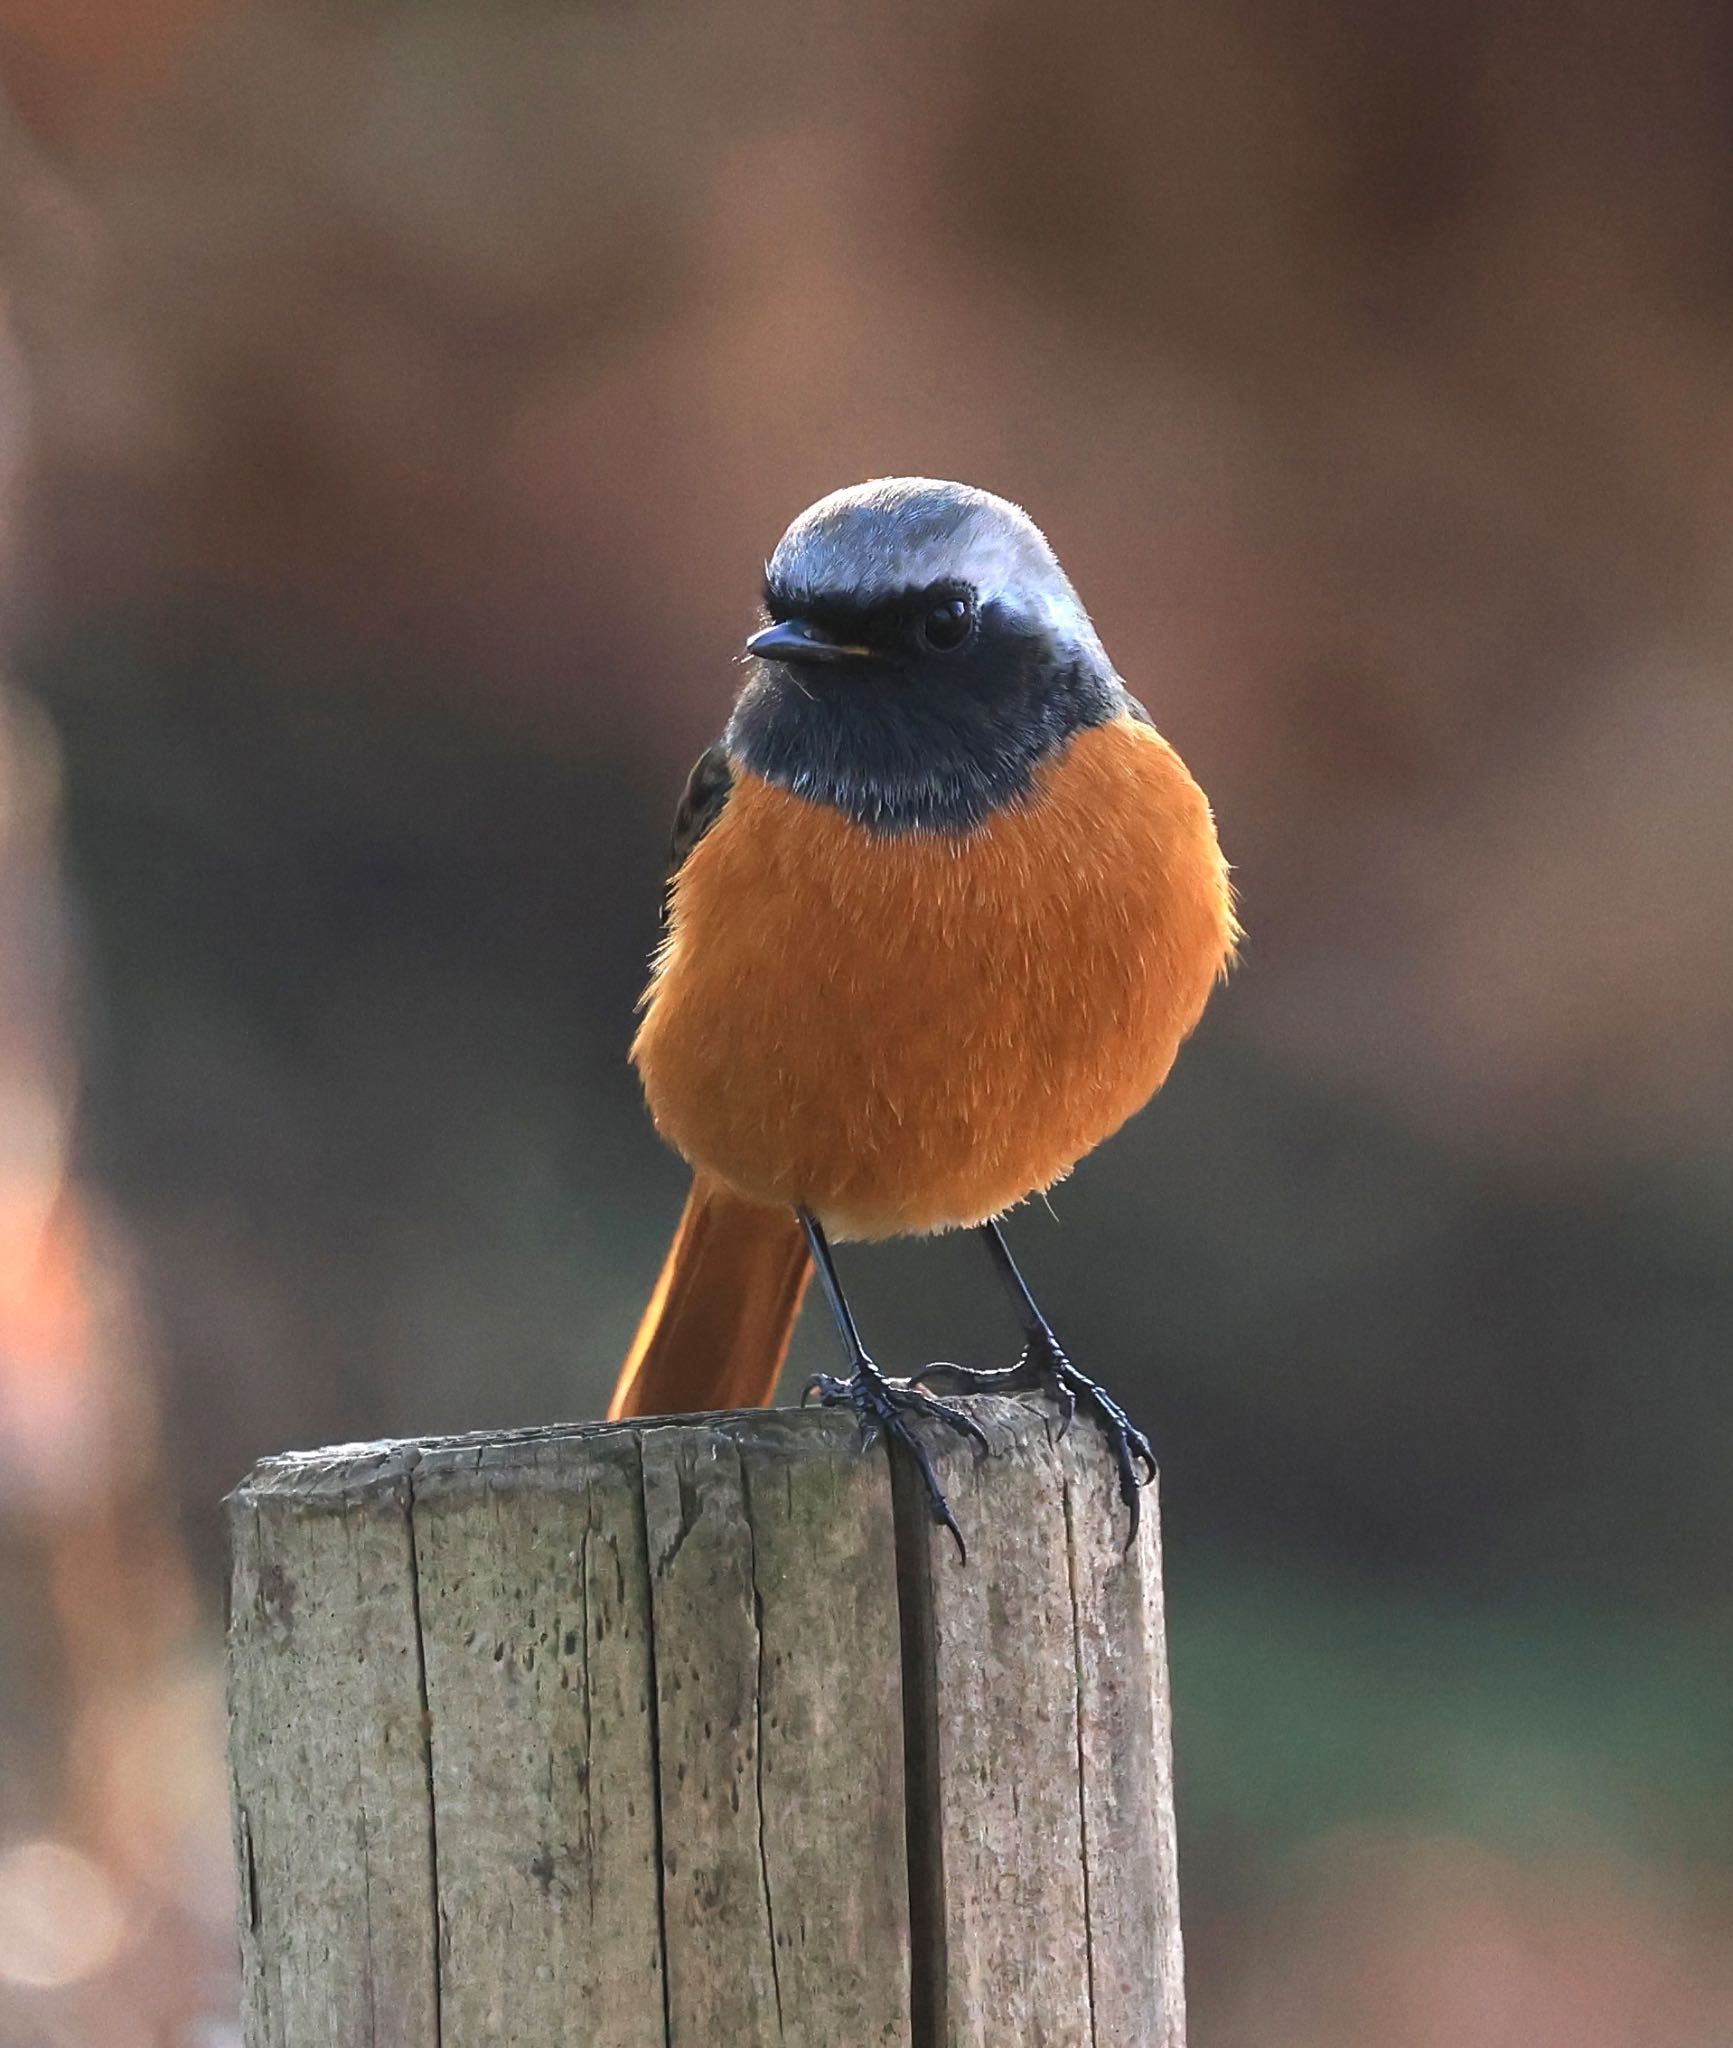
(908, 1034)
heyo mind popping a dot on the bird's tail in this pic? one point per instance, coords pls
(717, 1328)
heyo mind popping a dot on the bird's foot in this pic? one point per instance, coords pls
(887, 1409)
(1045, 1369)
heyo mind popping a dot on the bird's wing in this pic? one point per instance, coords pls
(707, 790)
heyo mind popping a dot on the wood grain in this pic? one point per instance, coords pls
(333, 1815)
(680, 1733)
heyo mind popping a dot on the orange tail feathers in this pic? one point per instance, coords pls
(717, 1328)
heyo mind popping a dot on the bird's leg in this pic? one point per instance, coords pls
(1044, 1368)
(881, 1406)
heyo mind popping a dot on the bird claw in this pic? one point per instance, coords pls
(1003, 1379)
(1044, 1368)
(885, 1410)
(1064, 1394)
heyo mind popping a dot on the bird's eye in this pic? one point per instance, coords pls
(946, 625)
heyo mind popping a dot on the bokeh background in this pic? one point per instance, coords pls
(397, 402)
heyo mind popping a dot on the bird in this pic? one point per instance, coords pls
(942, 906)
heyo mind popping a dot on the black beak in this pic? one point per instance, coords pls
(794, 640)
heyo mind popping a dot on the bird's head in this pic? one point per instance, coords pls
(922, 651)
(928, 579)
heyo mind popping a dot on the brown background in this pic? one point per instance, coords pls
(397, 404)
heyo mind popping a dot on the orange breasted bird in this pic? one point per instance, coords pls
(943, 906)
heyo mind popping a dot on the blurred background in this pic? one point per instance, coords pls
(397, 403)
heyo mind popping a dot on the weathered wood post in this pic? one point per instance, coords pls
(695, 1734)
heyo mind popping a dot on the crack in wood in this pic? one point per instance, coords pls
(425, 1730)
(653, 1707)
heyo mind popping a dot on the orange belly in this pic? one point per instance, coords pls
(910, 1034)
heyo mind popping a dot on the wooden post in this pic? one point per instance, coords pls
(695, 1734)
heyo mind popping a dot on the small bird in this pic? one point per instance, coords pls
(943, 905)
